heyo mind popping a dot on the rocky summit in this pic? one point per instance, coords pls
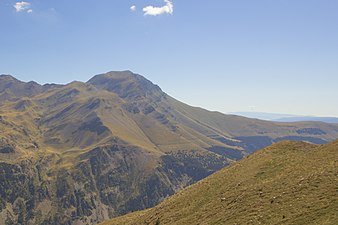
(82, 153)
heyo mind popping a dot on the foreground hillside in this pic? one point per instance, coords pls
(286, 183)
(82, 153)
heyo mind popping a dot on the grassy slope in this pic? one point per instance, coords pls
(231, 125)
(172, 126)
(286, 183)
(54, 119)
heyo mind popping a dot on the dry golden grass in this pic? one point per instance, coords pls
(53, 120)
(286, 183)
(59, 125)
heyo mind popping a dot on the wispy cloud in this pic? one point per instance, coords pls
(23, 7)
(155, 11)
(133, 8)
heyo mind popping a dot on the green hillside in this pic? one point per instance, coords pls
(286, 183)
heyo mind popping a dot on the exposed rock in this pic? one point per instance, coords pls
(7, 149)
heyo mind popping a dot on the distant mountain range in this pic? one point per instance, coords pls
(85, 152)
(308, 118)
(286, 183)
(285, 117)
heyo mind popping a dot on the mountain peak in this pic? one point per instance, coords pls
(126, 84)
(10, 87)
(7, 77)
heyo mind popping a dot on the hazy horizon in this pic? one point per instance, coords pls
(276, 57)
(240, 113)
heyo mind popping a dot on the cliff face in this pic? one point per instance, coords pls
(108, 181)
(84, 152)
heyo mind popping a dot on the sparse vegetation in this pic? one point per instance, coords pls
(286, 183)
(92, 151)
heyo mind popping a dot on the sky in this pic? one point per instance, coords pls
(277, 56)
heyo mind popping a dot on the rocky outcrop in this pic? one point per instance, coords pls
(85, 152)
(97, 188)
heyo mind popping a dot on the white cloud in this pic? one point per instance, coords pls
(133, 8)
(23, 6)
(154, 11)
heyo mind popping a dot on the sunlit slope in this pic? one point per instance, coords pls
(147, 105)
(79, 116)
(77, 141)
(237, 126)
(286, 183)
(159, 115)
(116, 144)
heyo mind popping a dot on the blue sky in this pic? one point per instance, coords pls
(241, 55)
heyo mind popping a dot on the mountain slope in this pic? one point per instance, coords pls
(285, 117)
(308, 118)
(286, 183)
(85, 152)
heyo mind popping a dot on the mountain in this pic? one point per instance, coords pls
(263, 115)
(11, 88)
(286, 183)
(286, 117)
(308, 118)
(82, 153)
